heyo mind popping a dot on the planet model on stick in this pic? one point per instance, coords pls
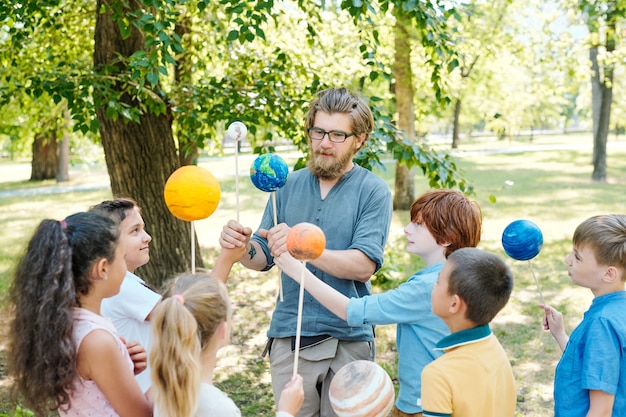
(306, 241)
(192, 193)
(269, 172)
(522, 240)
(237, 131)
(361, 389)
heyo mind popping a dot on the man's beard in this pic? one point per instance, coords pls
(330, 169)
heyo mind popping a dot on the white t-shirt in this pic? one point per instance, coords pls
(128, 311)
(215, 403)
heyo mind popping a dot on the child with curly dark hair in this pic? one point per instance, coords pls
(62, 353)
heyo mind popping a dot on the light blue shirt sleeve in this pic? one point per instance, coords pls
(408, 303)
(601, 362)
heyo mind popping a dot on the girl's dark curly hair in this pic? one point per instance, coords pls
(55, 268)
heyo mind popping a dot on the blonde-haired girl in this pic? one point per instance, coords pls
(189, 326)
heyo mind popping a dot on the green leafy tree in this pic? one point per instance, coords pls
(404, 93)
(31, 118)
(603, 18)
(405, 34)
(480, 34)
(159, 79)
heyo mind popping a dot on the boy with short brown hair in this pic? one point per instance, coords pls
(590, 378)
(474, 377)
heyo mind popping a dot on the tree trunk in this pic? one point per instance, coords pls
(64, 150)
(45, 159)
(601, 134)
(604, 83)
(601, 137)
(140, 157)
(405, 183)
(455, 124)
(596, 95)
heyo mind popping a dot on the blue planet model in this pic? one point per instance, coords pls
(522, 240)
(269, 172)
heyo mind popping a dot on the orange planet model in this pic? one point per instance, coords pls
(306, 241)
(361, 389)
(192, 193)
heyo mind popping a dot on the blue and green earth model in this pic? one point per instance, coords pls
(269, 172)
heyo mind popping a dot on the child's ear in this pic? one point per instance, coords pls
(457, 304)
(612, 274)
(100, 269)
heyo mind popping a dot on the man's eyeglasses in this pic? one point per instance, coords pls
(336, 136)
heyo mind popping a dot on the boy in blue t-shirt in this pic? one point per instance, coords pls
(590, 378)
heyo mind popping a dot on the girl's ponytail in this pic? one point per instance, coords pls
(175, 359)
(183, 326)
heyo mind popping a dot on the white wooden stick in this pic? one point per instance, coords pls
(280, 279)
(274, 207)
(299, 322)
(237, 177)
(193, 250)
(536, 282)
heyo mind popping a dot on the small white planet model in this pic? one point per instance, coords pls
(237, 131)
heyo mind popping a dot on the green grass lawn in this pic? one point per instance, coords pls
(551, 187)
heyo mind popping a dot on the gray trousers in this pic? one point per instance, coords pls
(317, 364)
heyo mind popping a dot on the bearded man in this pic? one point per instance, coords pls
(353, 208)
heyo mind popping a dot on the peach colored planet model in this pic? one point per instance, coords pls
(361, 389)
(306, 241)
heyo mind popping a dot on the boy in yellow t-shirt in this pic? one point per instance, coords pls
(474, 377)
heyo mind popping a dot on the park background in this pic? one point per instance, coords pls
(519, 104)
(545, 181)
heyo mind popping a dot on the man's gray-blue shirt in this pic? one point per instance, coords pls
(355, 214)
